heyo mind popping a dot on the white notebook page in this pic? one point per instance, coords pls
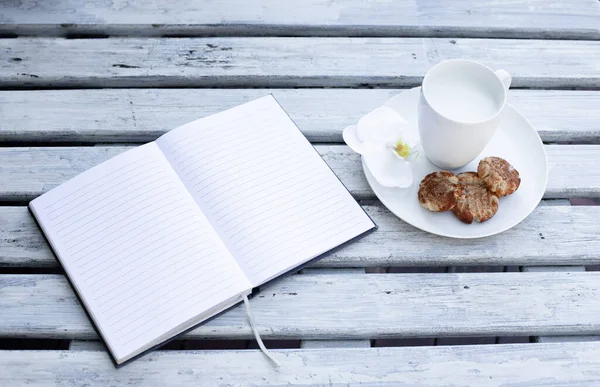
(141, 254)
(264, 187)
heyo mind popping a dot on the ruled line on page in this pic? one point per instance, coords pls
(88, 198)
(87, 185)
(164, 290)
(147, 258)
(236, 194)
(265, 213)
(259, 221)
(125, 305)
(201, 153)
(150, 258)
(131, 195)
(102, 239)
(66, 218)
(171, 312)
(159, 302)
(219, 215)
(135, 213)
(312, 241)
(131, 205)
(92, 189)
(226, 160)
(266, 230)
(230, 159)
(156, 311)
(248, 177)
(252, 184)
(280, 234)
(190, 135)
(231, 142)
(136, 242)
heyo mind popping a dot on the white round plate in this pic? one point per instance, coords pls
(516, 140)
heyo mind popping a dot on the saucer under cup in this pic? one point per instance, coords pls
(515, 140)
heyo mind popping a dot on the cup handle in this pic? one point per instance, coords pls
(504, 77)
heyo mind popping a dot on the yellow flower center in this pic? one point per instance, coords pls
(402, 149)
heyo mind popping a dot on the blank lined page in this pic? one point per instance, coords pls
(264, 187)
(141, 254)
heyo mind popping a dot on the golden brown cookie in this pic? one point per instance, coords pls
(500, 177)
(476, 202)
(438, 191)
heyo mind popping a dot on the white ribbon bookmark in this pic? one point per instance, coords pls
(261, 345)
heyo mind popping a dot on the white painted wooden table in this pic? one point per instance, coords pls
(81, 81)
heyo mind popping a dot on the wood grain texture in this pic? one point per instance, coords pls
(551, 235)
(313, 344)
(518, 365)
(559, 339)
(86, 345)
(564, 269)
(30, 171)
(355, 307)
(141, 115)
(558, 269)
(284, 62)
(318, 344)
(522, 19)
(563, 339)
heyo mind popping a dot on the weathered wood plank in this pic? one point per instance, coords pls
(563, 339)
(523, 19)
(555, 202)
(563, 269)
(319, 344)
(284, 62)
(519, 365)
(339, 271)
(382, 306)
(29, 172)
(550, 236)
(312, 344)
(140, 115)
(86, 345)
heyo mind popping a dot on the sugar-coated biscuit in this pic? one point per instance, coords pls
(476, 203)
(501, 177)
(439, 191)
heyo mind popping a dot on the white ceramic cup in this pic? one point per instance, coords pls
(459, 110)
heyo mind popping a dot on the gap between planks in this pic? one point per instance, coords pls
(559, 19)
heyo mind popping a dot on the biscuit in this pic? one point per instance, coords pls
(500, 177)
(476, 202)
(439, 191)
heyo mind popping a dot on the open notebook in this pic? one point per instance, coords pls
(168, 234)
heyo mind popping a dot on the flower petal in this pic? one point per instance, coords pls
(410, 135)
(381, 125)
(349, 136)
(388, 169)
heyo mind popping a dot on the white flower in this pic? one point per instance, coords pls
(387, 143)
